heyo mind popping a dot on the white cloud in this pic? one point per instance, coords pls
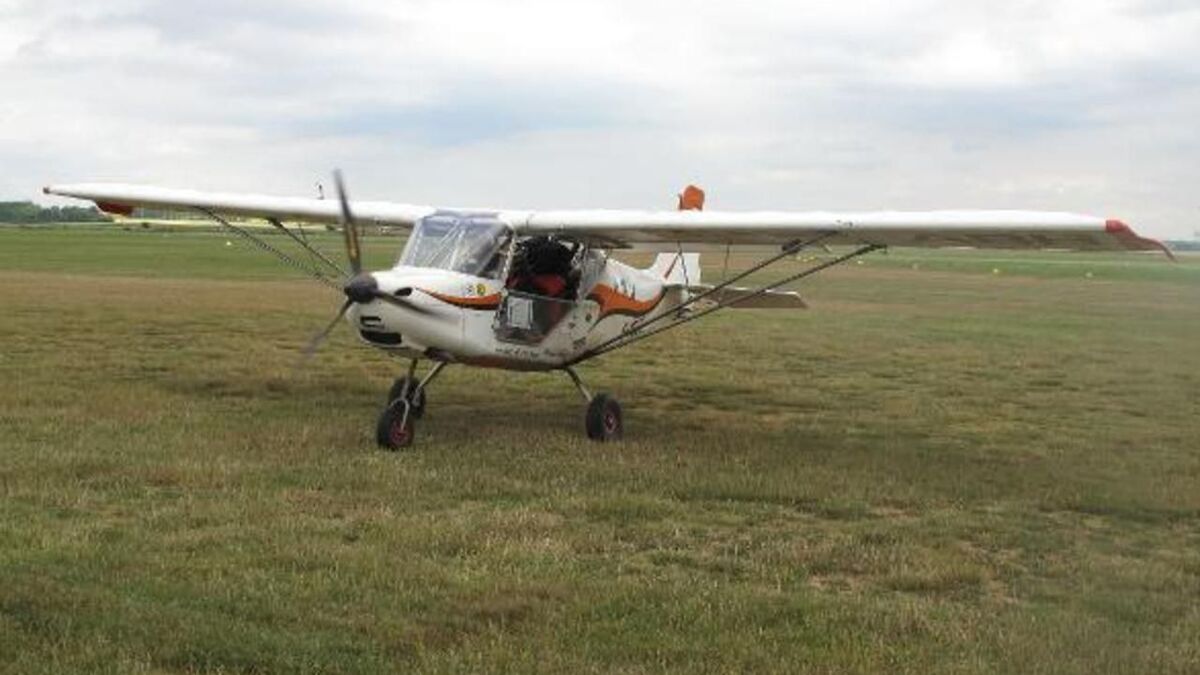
(1073, 104)
(966, 60)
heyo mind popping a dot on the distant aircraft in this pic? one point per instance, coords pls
(538, 290)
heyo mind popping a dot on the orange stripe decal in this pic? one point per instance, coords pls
(482, 302)
(612, 302)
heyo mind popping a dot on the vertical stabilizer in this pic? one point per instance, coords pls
(678, 269)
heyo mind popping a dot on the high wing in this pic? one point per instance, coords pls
(669, 230)
(930, 229)
(121, 199)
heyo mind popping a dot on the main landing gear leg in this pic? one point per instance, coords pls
(406, 404)
(603, 420)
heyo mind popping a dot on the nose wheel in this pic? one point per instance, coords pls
(396, 428)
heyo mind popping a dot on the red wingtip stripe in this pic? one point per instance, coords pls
(115, 209)
(1118, 228)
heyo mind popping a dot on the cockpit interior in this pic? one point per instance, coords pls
(543, 276)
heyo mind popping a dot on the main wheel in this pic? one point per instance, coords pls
(415, 397)
(604, 419)
(394, 430)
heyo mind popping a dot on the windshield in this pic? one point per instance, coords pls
(475, 245)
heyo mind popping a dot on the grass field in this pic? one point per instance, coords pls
(955, 462)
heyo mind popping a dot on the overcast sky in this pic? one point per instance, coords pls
(1080, 105)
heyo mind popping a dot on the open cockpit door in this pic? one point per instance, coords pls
(545, 281)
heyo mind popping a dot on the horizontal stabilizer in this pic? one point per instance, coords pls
(745, 298)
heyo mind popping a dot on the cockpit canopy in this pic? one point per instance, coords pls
(471, 244)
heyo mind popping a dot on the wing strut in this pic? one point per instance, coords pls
(308, 247)
(639, 332)
(264, 246)
(787, 250)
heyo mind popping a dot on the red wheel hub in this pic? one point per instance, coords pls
(398, 432)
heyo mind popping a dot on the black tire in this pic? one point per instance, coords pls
(418, 401)
(604, 422)
(392, 432)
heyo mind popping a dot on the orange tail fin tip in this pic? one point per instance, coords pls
(691, 199)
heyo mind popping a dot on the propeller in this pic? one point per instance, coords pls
(315, 343)
(349, 227)
(361, 287)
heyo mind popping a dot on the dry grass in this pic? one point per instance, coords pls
(931, 471)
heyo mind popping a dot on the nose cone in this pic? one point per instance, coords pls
(362, 288)
(401, 302)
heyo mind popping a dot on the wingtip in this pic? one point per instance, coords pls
(1119, 228)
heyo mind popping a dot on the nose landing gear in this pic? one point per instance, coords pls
(408, 387)
(396, 428)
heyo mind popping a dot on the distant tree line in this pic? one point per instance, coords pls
(28, 212)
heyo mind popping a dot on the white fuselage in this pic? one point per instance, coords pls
(461, 318)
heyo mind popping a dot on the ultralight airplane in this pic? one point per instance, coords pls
(539, 291)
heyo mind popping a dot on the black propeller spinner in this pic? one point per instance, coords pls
(361, 287)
